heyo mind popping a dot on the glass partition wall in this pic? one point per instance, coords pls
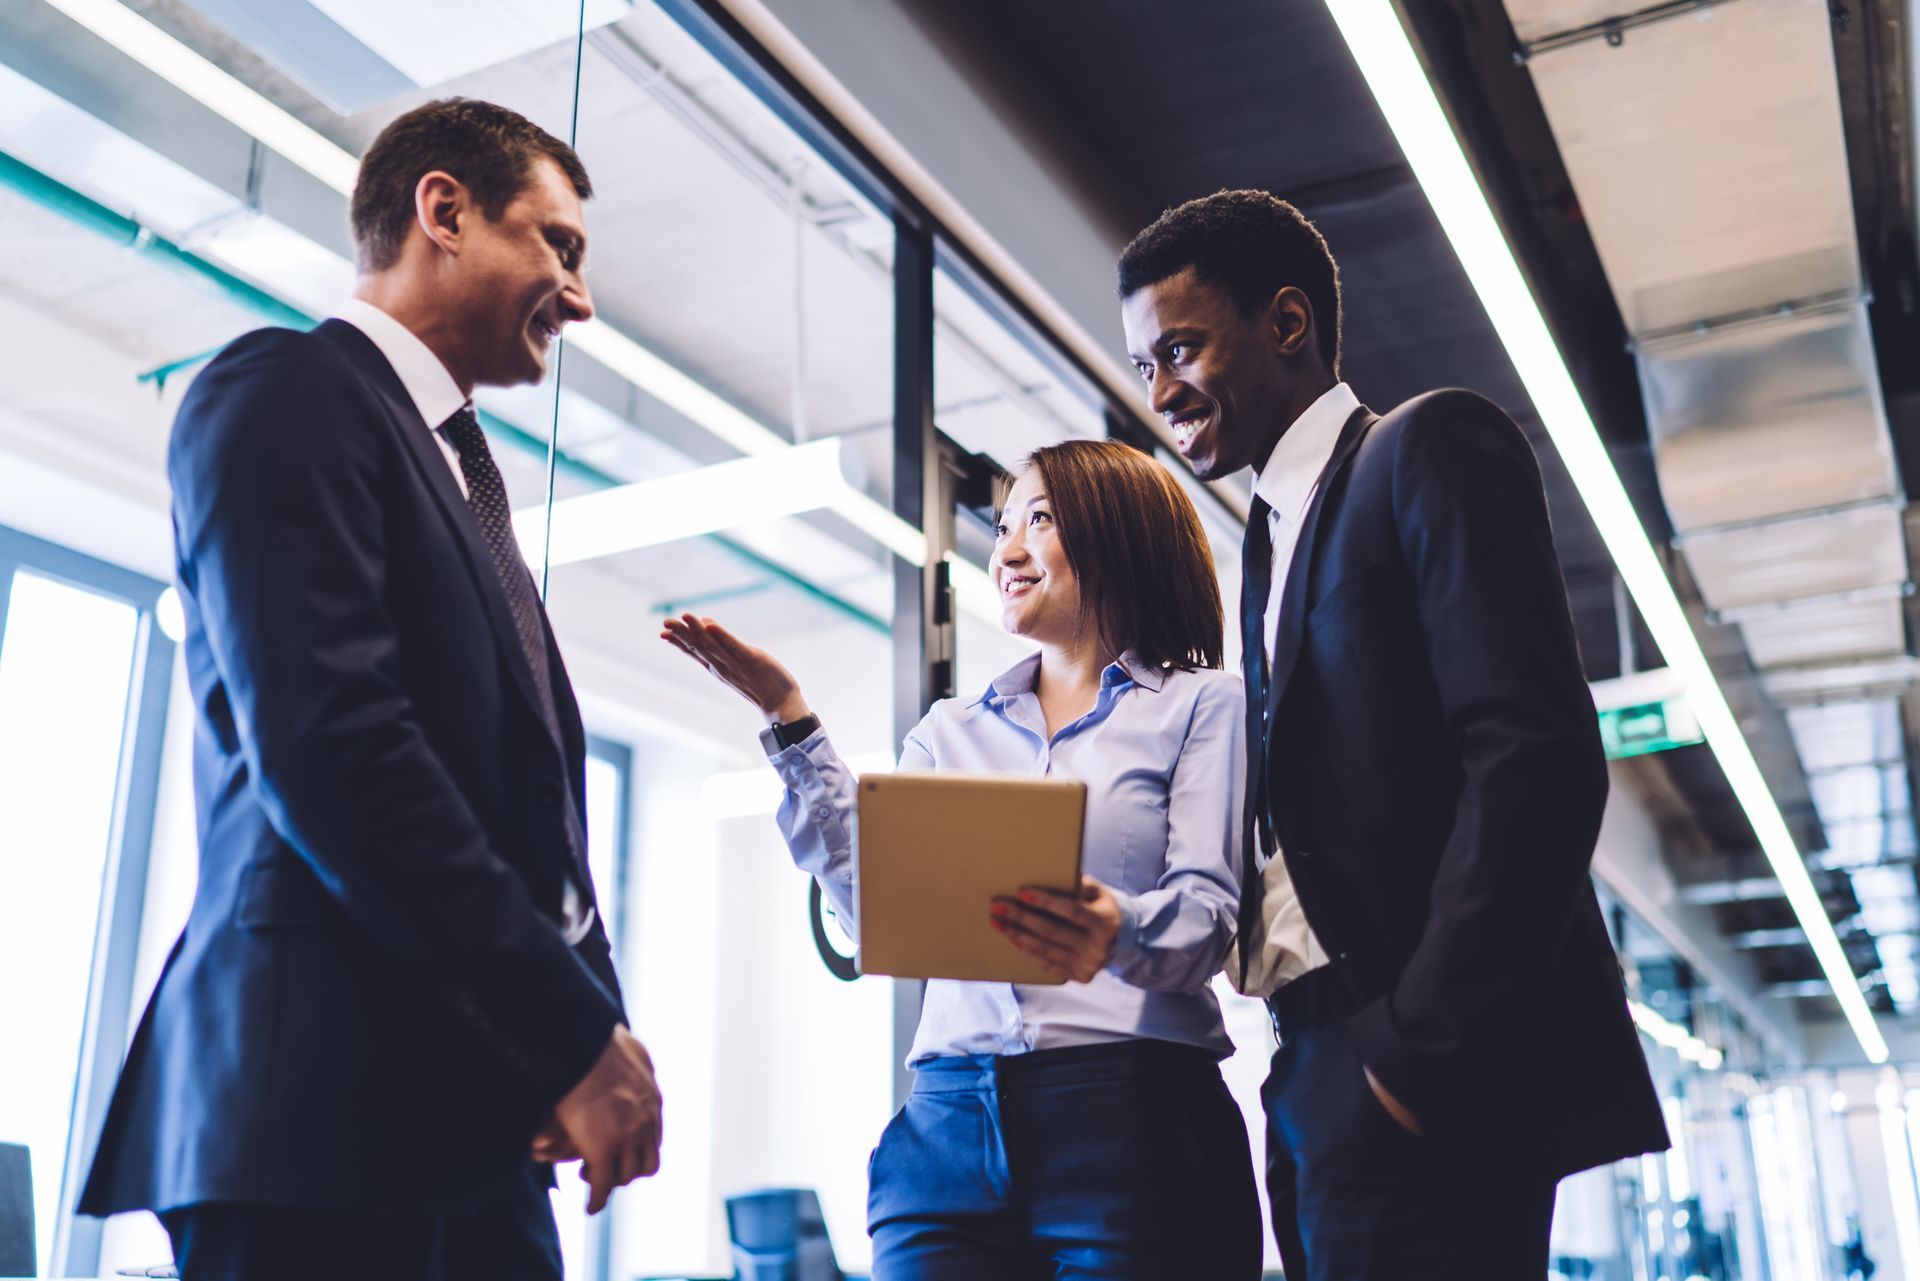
(767, 300)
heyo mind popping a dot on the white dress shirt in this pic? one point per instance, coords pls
(1286, 947)
(437, 397)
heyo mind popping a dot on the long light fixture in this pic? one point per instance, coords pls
(1393, 72)
(706, 500)
(333, 165)
(671, 386)
(219, 92)
(1664, 1031)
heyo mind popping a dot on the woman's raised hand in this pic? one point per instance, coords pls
(754, 674)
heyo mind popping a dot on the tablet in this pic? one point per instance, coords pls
(932, 851)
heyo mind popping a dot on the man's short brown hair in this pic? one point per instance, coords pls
(490, 149)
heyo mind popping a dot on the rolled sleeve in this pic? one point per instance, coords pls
(816, 816)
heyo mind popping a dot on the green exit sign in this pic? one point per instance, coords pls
(1648, 727)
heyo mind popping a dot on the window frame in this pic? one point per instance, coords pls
(123, 891)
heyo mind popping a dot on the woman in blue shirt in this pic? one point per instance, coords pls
(1077, 1130)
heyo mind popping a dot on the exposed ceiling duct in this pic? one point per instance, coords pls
(1705, 143)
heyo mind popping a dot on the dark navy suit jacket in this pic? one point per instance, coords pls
(372, 1007)
(1431, 764)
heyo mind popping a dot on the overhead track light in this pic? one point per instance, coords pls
(1373, 31)
(687, 504)
(214, 89)
(333, 165)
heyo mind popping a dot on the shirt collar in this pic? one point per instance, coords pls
(1020, 678)
(1286, 482)
(431, 388)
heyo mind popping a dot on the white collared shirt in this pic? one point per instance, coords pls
(1287, 948)
(437, 398)
(427, 382)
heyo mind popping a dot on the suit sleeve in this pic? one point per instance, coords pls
(1473, 527)
(280, 467)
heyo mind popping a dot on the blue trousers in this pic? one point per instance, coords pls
(1121, 1162)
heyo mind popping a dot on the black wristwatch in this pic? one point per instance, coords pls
(786, 735)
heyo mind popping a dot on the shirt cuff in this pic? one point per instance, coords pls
(771, 745)
(1126, 944)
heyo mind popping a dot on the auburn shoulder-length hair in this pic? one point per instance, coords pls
(1135, 543)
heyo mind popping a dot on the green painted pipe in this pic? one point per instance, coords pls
(82, 210)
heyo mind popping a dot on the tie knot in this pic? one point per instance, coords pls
(463, 432)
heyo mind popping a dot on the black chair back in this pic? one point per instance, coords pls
(17, 1249)
(780, 1234)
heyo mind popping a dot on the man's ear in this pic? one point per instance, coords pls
(441, 203)
(1290, 321)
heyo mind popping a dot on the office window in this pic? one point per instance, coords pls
(72, 717)
(584, 1240)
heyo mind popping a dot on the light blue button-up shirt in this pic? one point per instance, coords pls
(1161, 755)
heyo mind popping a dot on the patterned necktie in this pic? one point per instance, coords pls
(487, 495)
(1256, 580)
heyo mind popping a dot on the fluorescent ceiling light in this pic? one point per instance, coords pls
(333, 165)
(193, 75)
(1664, 1031)
(704, 501)
(973, 590)
(673, 387)
(1386, 58)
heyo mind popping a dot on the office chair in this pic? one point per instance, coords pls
(17, 1249)
(779, 1234)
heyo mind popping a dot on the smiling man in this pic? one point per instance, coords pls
(394, 1001)
(1425, 777)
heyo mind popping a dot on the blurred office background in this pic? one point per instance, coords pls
(858, 253)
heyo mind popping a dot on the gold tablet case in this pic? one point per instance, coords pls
(933, 850)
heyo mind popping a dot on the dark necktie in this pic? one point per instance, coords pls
(1256, 580)
(487, 495)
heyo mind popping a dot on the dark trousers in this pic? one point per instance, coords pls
(1124, 1161)
(1357, 1197)
(513, 1239)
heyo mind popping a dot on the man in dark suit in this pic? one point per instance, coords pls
(394, 1002)
(1425, 777)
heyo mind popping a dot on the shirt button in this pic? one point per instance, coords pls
(824, 812)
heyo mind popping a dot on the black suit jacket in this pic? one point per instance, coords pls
(1430, 762)
(372, 1006)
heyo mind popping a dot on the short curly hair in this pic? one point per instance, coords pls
(1252, 244)
(489, 148)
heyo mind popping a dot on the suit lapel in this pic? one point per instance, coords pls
(438, 478)
(1292, 629)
